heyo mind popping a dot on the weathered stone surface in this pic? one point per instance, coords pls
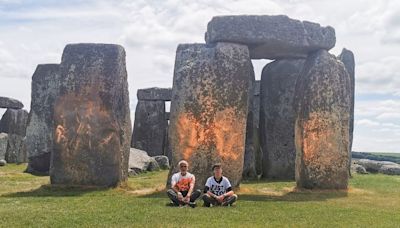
(14, 122)
(278, 83)
(390, 169)
(140, 161)
(322, 124)
(256, 121)
(3, 162)
(3, 145)
(149, 127)
(154, 94)
(358, 169)
(271, 37)
(163, 161)
(347, 58)
(249, 165)
(209, 108)
(6, 102)
(374, 166)
(92, 117)
(39, 132)
(16, 149)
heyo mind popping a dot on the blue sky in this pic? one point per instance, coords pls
(34, 32)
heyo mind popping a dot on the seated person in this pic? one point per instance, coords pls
(218, 189)
(182, 185)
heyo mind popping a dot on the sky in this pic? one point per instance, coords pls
(35, 32)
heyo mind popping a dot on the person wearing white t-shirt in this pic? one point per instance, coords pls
(182, 185)
(218, 189)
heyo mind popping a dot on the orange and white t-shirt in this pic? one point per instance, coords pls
(182, 182)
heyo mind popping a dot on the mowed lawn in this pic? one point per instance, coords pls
(373, 200)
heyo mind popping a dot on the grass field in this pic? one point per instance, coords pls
(387, 154)
(28, 201)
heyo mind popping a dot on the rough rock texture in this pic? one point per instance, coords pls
(347, 58)
(322, 97)
(154, 94)
(163, 161)
(374, 166)
(39, 132)
(390, 169)
(6, 102)
(209, 108)
(16, 149)
(3, 145)
(278, 83)
(271, 37)
(140, 161)
(149, 127)
(256, 121)
(3, 162)
(92, 117)
(249, 165)
(14, 122)
(358, 169)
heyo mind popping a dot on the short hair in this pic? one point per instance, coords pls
(216, 165)
(183, 162)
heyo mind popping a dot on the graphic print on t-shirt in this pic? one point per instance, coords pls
(218, 188)
(182, 182)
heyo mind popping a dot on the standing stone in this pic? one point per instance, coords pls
(322, 123)
(249, 165)
(154, 94)
(271, 37)
(256, 121)
(6, 102)
(209, 108)
(278, 82)
(3, 145)
(149, 127)
(347, 58)
(13, 123)
(91, 117)
(39, 132)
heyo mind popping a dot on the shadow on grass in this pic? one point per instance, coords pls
(54, 191)
(293, 196)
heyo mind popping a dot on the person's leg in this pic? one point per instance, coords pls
(196, 194)
(208, 200)
(229, 200)
(173, 197)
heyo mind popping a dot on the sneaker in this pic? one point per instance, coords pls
(192, 204)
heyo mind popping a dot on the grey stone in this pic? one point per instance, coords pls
(92, 117)
(322, 99)
(16, 149)
(163, 161)
(140, 161)
(14, 122)
(3, 145)
(209, 108)
(390, 169)
(374, 166)
(3, 162)
(256, 121)
(278, 83)
(39, 132)
(6, 102)
(149, 127)
(358, 169)
(154, 94)
(271, 37)
(347, 57)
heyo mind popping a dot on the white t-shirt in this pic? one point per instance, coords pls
(218, 188)
(182, 182)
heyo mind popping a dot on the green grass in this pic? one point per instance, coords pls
(26, 200)
(387, 154)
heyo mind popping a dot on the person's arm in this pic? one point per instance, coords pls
(228, 191)
(191, 187)
(207, 190)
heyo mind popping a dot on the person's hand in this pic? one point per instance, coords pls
(180, 196)
(220, 198)
(187, 199)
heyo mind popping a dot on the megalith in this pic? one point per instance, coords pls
(92, 131)
(322, 99)
(39, 132)
(6, 102)
(278, 82)
(209, 108)
(3, 145)
(271, 37)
